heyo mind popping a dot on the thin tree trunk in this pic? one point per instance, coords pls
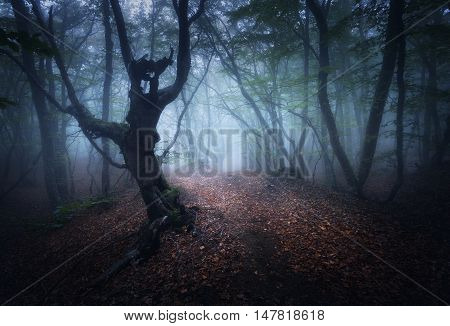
(431, 119)
(438, 157)
(152, 31)
(399, 115)
(208, 112)
(22, 23)
(107, 92)
(357, 110)
(21, 177)
(306, 65)
(426, 139)
(60, 161)
(381, 90)
(329, 120)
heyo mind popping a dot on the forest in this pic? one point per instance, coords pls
(224, 152)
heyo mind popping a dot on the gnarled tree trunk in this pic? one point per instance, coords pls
(138, 137)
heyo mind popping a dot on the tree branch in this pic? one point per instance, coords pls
(175, 7)
(21, 177)
(105, 155)
(127, 55)
(199, 12)
(89, 124)
(53, 101)
(32, 78)
(170, 93)
(186, 106)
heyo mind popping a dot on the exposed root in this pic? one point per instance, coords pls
(149, 238)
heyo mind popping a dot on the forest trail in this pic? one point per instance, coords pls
(261, 241)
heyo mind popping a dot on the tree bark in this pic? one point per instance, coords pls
(60, 162)
(394, 28)
(306, 46)
(431, 119)
(138, 144)
(138, 137)
(399, 114)
(43, 114)
(107, 92)
(438, 157)
(319, 14)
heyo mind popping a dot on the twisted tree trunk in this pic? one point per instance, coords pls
(136, 138)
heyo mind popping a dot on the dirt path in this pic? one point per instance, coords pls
(262, 241)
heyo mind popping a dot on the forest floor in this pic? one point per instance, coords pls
(262, 241)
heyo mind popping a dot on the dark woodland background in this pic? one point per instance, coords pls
(314, 134)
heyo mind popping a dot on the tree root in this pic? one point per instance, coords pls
(148, 241)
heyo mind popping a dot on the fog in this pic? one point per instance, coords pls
(251, 102)
(237, 152)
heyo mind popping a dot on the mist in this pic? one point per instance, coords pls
(183, 112)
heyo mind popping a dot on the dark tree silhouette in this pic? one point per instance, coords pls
(136, 138)
(107, 90)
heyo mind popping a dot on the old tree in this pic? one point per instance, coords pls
(137, 137)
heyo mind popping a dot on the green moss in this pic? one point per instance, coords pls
(68, 210)
(175, 218)
(171, 195)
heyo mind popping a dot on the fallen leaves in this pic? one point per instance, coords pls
(261, 242)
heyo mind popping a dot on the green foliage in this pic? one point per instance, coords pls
(267, 27)
(171, 195)
(267, 12)
(177, 156)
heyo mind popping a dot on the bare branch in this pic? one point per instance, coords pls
(199, 12)
(104, 155)
(127, 55)
(175, 7)
(53, 101)
(89, 124)
(36, 82)
(170, 93)
(186, 106)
